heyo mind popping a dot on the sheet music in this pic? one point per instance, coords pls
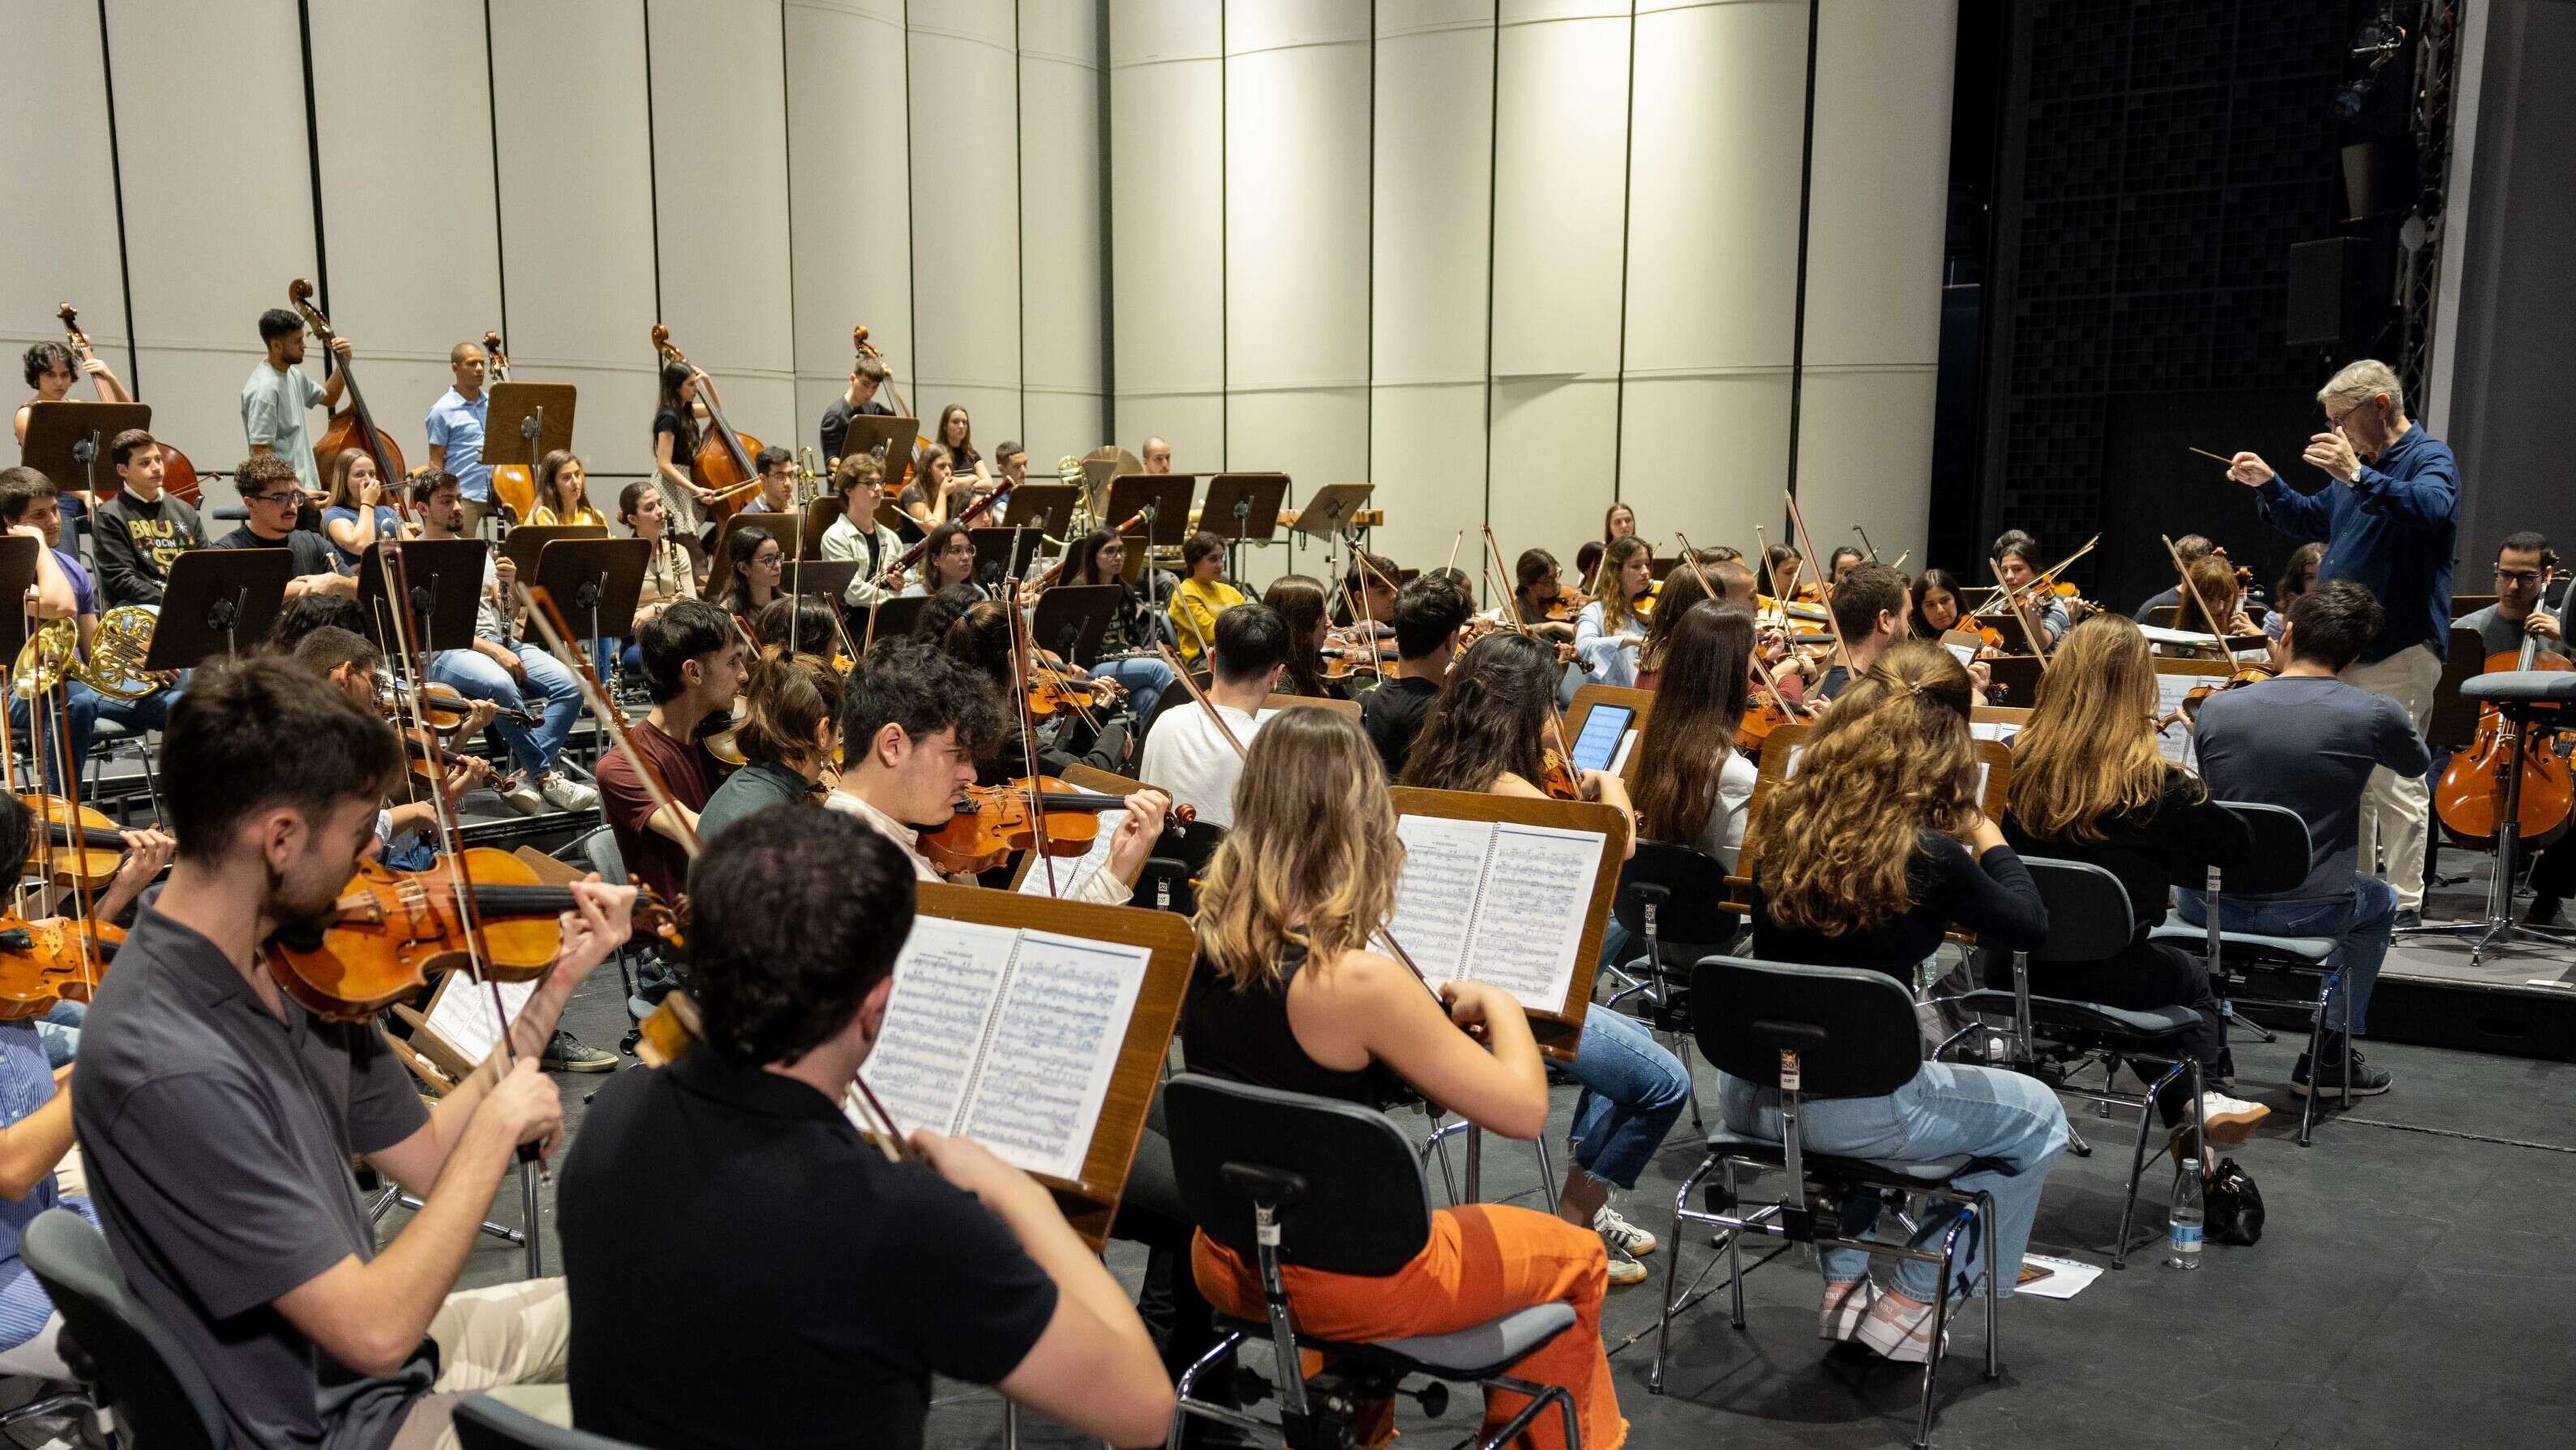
(945, 980)
(2176, 742)
(1055, 1046)
(1070, 874)
(1529, 919)
(1435, 898)
(462, 1015)
(1999, 731)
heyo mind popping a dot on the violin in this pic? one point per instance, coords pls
(721, 732)
(178, 475)
(991, 822)
(88, 848)
(352, 426)
(2187, 710)
(722, 464)
(512, 483)
(442, 707)
(1763, 713)
(1559, 778)
(1051, 690)
(46, 961)
(390, 930)
(2470, 796)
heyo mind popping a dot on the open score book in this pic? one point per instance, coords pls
(1497, 902)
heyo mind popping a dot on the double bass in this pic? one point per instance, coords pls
(353, 426)
(178, 475)
(722, 465)
(512, 483)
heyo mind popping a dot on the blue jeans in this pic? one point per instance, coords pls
(2359, 922)
(1145, 680)
(550, 687)
(87, 708)
(2011, 1122)
(1632, 1091)
(60, 1029)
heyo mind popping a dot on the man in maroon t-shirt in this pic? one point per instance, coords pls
(693, 660)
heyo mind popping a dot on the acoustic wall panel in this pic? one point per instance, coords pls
(849, 195)
(58, 187)
(1297, 126)
(577, 244)
(229, 185)
(965, 213)
(1061, 307)
(720, 179)
(1167, 225)
(402, 107)
(1431, 183)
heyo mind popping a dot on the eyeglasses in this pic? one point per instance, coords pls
(2517, 576)
(277, 498)
(769, 559)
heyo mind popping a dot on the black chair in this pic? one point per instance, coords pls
(2053, 1037)
(1671, 902)
(484, 1423)
(1332, 1186)
(131, 1362)
(2278, 863)
(1169, 879)
(1832, 1032)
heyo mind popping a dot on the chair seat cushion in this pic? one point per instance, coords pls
(1479, 1351)
(1727, 1142)
(2174, 931)
(2064, 1014)
(2520, 686)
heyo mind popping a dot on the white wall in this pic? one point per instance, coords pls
(1534, 255)
(747, 171)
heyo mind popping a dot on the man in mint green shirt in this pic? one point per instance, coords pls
(279, 394)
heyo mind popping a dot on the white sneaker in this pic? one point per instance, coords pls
(1624, 1269)
(566, 793)
(1838, 1318)
(2226, 1120)
(1620, 1234)
(523, 798)
(1903, 1335)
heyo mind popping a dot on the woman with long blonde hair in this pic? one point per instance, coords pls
(2090, 783)
(1872, 851)
(1608, 631)
(1289, 994)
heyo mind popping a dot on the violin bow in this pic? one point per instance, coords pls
(1866, 544)
(1760, 670)
(1520, 626)
(1023, 655)
(2004, 594)
(1807, 545)
(9, 751)
(2020, 616)
(1224, 730)
(2217, 636)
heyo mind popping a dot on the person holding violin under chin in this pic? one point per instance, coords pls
(2016, 560)
(218, 1118)
(790, 728)
(1607, 633)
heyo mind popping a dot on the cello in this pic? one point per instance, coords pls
(352, 426)
(2471, 794)
(722, 465)
(178, 475)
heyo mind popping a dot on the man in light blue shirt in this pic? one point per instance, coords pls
(456, 432)
(279, 394)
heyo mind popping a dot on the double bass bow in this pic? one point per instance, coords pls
(352, 426)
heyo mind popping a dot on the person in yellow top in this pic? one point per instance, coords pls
(1202, 596)
(561, 499)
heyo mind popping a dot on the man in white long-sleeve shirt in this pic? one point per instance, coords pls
(913, 722)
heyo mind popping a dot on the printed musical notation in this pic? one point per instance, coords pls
(1491, 901)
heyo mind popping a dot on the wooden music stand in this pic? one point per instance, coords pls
(1312, 702)
(1559, 1032)
(1167, 494)
(523, 422)
(529, 540)
(1090, 1202)
(1587, 696)
(820, 515)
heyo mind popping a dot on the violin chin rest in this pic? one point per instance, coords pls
(302, 936)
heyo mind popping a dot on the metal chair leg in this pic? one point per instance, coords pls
(2137, 1175)
(1994, 1289)
(1672, 1275)
(2316, 1049)
(1735, 1246)
(1940, 1327)
(1546, 1173)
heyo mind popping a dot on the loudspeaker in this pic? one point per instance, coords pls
(2328, 288)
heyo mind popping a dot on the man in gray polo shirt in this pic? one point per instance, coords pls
(218, 1117)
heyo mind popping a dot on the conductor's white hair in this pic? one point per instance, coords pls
(2358, 383)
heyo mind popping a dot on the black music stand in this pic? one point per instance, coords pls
(1167, 495)
(446, 578)
(894, 618)
(594, 580)
(787, 528)
(872, 431)
(1044, 507)
(1003, 553)
(823, 512)
(1070, 619)
(528, 541)
(1332, 508)
(67, 441)
(1243, 508)
(826, 579)
(523, 422)
(214, 601)
(17, 576)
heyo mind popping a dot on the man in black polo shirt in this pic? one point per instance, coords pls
(1428, 613)
(726, 1206)
(218, 1118)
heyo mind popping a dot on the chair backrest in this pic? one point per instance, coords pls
(1355, 1201)
(484, 1423)
(1853, 1029)
(1169, 879)
(598, 846)
(2279, 861)
(2088, 910)
(1685, 887)
(161, 1397)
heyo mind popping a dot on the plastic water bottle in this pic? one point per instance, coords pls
(2183, 1225)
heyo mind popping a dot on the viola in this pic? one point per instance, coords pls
(2470, 796)
(353, 426)
(46, 961)
(390, 930)
(992, 822)
(87, 847)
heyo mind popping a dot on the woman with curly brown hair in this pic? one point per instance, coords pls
(1873, 850)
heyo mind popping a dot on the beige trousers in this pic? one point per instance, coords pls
(511, 1340)
(2396, 809)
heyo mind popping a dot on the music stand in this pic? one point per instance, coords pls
(523, 422)
(17, 576)
(826, 579)
(1243, 508)
(784, 527)
(528, 541)
(67, 441)
(894, 617)
(820, 515)
(1043, 506)
(1003, 553)
(1167, 494)
(215, 599)
(872, 431)
(446, 588)
(1070, 618)
(592, 580)
(1333, 508)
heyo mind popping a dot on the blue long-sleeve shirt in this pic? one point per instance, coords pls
(2392, 531)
